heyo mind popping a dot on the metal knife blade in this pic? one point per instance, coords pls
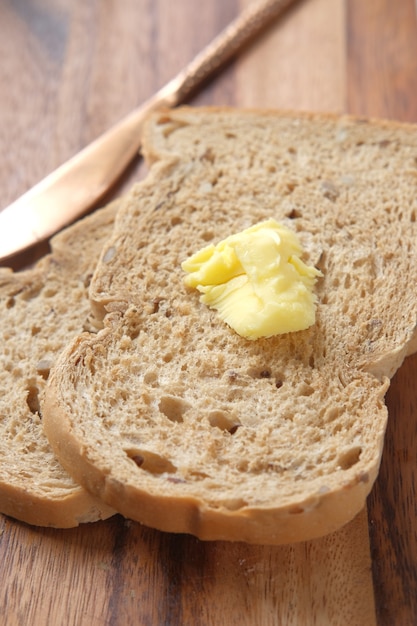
(78, 184)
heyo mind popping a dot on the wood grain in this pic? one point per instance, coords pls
(120, 573)
(302, 61)
(382, 81)
(382, 59)
(69, 71)
(393, 508)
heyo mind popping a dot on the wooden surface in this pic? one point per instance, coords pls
(68, 70)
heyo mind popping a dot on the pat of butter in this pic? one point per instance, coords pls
(256, 281)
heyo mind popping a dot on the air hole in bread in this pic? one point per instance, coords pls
(322, 261)
(304, 389)
(224, 421)
(87, 280)
(133, 332)
(50, 292)
(331, 413)
(384, 143)
(150, 378)
(173, 408)
(208, 155)
(176, 220)
(32, 399)
(294, 214)
(151, 462)
(35, 330)
(155, 304)
(216, 178)
(10, 303)
(255, 372)
(290, 186)
(264, 374)
(350, 457)
(194, 474)
(208, 235)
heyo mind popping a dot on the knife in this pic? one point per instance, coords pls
(78, 184)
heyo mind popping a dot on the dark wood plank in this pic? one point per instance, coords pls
(119, 573)
(382, 58)
(382, 81)
(393, 506)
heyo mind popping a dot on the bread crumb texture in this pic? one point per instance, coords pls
(41, 310)
(182, 424)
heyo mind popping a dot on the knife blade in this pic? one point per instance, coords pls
(78, 184)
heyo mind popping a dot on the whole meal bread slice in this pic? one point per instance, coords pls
(41, 309)
(177, 421)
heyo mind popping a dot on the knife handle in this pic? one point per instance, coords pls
(223, 48)
(124, 139)
(78, 184)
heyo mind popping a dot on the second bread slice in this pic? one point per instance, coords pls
(41, 309)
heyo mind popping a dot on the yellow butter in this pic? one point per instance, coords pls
(256, 281)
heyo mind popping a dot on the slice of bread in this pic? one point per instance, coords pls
(178, 422)
(41, 309)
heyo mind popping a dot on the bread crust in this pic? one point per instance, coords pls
(77, 507)
(310, 518)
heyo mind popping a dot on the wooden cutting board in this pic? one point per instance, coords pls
(68, 71)
(119, 573)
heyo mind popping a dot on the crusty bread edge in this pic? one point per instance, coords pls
(152, 154)
(54, 513)
(317, 515)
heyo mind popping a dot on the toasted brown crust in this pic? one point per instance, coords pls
(312, 518)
